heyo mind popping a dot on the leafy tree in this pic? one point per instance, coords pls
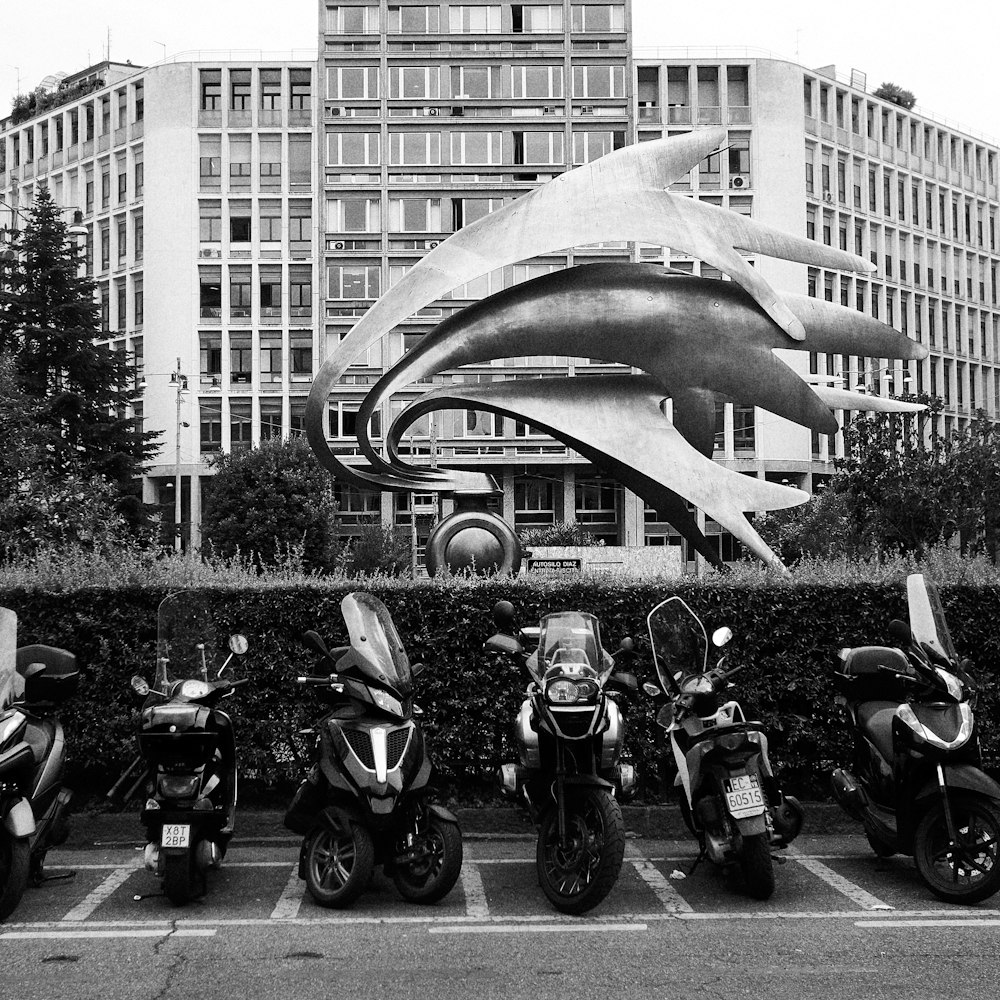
(895, 94)
(271, 501)
(79, 389)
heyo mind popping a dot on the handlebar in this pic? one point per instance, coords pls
(317, 681)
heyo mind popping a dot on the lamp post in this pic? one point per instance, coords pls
(180, 380)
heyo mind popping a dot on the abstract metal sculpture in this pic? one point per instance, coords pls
(697, 340)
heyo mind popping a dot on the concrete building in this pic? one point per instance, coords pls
(244, 213)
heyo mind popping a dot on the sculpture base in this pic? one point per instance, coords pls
(473, 540)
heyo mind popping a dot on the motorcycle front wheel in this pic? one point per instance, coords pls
(967, 870)
(339, 861)
(436, 865)
(578, 874)
(15, 863)
(757, 866)
(179, 878)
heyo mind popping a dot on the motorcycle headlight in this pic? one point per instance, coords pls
(562, 691)
(194, 690)
(386, 702)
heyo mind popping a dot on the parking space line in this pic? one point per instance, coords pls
(670, 899)
(95, 897)
(952, 922)
(290, 900)
(853, 892)
(123, 932)
(571, 928)
(475, 894)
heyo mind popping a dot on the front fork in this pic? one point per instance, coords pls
(948, 817)
(561, 793)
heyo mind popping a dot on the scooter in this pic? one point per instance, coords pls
(34, 680)
(730, 799)
(186, 766)
(366, 799)
(916, 782)
(568, 734)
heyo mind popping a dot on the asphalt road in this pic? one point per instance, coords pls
(840, 924)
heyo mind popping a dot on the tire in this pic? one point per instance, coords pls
(15, 864)
(971, 873)
(878, 845)
(179, 877)
(578, 878)
(339, 862)
(432, 877)
(757, 866)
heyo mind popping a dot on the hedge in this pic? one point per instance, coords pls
(786, 636)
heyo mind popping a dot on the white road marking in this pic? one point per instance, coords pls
(853, 892)
(954, 922)
(475, 895)
(95, 897)
(104, 934)
(287, 907)
(670, 899)
(571, 928)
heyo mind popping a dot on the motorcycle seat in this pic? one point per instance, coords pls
(40, 734)
(875, 719)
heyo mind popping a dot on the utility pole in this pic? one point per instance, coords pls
(180, 380)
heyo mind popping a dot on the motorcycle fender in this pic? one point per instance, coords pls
(751, 825)
(19, 820)
(443, 814)
(964, 777)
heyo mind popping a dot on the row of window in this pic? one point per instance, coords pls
(113, 303)
(694, 94)
(275, 291)
(272, 91)
(270, 220)
(277, 353)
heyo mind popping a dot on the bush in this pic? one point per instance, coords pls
(564, 533)
(378, 549)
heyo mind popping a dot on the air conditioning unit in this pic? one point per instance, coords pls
(209, 252)
(828, 197)
(587, 109)
(548, 111)
(431, 244)
(335, 112)
(339, 245)
(432, 112)
(739, 182)
(458, 111)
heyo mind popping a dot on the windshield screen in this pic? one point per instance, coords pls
(678, 639)
(570, 640)
(927, 621)
(8, 655)
(375, 638)
(186, 647)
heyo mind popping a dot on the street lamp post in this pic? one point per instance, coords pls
(180, 380)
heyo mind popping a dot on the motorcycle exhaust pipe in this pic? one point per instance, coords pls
(510, 778)
(207, 855)
(848, 793)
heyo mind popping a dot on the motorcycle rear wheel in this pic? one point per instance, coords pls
(757, 866)
(179, 878)
(576, 878)
(339, 862)
(968, 872)
(432, 877)
(15, 863)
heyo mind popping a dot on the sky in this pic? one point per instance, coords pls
(942, 52)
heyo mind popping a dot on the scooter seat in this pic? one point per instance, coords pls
(875, 719)
(40, 734)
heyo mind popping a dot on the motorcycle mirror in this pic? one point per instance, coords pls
(502, 644)
(238, 644)
(721, 636)
(417, 668)
(651, 689)
(315, 642)
(503, 616)
(139, 686)
(901, 632)
(627, 645)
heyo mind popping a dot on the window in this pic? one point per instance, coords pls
(467, 210)
(414, 148)
(300, 81)
(270, 292)
(270, 414)
(137, 303)
(210, 426)
(121, 238)
(476, 147)
(122, 102)
(210, 283)
(597, 17)
(414, 215)
(240, 358)
(466, 20)
(536, 17)
(239, 90)
(239, 222)
(270, 163)
(300, 293)
(105, 114)
(360, 281)
(595, 499)
(105, 246)
(415, 83)
(240, 425)
(140, 176)
(744, 437)
(89, 195)
(105, 187)
(210, 162)
(300, 228)
(239, 163)
(270, 358)
(353, 149)
(300, 353)
(210, 221)
(120, 317)
(300, 160)
(352, 20)
(353, 215)
(538, 147)
(270, 89)
(121, 177)
(536, 81)
(210, 354)
(140, 102)
(211, 89)
(270, 221)
(346, 83)
(413, 20)
(598, 81)
(534, 500)
(105, 308)
(588, 146)
(239, 293)
(474, 82)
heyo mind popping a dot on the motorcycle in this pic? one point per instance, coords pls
(34, 680)
(186, 765)
(730, 799)
(365, 801)
(916, 782)
(569, 734)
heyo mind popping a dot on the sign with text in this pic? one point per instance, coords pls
(555, 566)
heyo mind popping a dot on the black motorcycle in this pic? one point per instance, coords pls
(569, 735)
(916, 780)
(34, 681)
(365, 801)
(186, 766)
(730, 799)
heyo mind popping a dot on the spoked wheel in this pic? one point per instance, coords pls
(436, 862)
(181, 883)
(578, 874)
(968, 869)
(757, 866)
(339, 860)
(15, 862)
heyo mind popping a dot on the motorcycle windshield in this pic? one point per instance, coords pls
(186, 647)
(570, 641)
(8, 656)
(927, 621)
(374, 637)
(678, 641)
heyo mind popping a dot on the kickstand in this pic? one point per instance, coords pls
(39, 877)
(697, 861)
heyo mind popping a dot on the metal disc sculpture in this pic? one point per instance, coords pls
(697, 341)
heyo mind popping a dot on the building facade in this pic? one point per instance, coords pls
(244, 214)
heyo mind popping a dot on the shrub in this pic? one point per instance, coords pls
(563, 533)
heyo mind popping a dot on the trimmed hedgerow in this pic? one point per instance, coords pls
(785, 635)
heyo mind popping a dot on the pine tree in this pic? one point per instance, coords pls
(50, 325)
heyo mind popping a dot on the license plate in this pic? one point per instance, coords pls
(744, 796)
(175, 835)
